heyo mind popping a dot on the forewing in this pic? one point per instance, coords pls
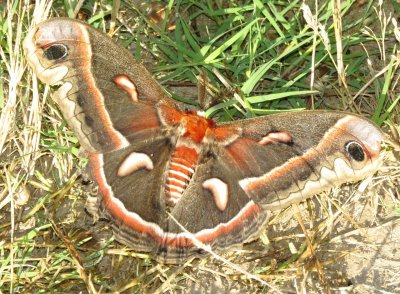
(106, 97)
(288, 157)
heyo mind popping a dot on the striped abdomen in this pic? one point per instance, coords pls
(181, 168)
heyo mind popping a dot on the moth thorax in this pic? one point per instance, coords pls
(180, 170)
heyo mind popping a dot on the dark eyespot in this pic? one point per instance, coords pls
(81, 100)
(56, 52)
(89, 121)
(355, 150)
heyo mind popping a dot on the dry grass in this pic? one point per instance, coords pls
(270, 60)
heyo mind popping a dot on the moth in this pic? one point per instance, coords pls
(166, 176)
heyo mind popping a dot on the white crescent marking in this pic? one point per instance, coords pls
(219, 190)
(134, 162)
(276, 137)
(127, 85)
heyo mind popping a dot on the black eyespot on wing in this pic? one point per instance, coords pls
(89, 121)
(81, 100)
(355, 150)
(56, 52)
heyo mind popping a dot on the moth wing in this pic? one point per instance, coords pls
(214, 211)
(288, 157)
(130, 182)
(104, 94)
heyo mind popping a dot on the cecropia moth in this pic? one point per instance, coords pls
(166, 175)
